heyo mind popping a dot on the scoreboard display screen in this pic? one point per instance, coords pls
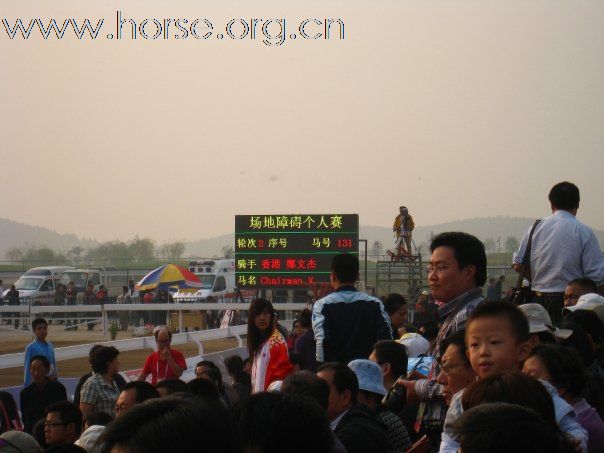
(291, 250)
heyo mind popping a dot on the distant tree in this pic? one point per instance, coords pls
(377, 248)
(76, 252)
(15, 254)
(141, 249)
(228, 251)
(111, 250)
(172, 249)
(489, 245)
(511, 244)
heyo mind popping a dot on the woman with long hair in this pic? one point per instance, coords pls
(266, 346)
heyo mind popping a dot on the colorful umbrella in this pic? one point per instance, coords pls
(169, 275)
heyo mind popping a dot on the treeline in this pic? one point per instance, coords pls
(137, 249)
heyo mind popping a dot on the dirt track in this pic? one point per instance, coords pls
(11, 342)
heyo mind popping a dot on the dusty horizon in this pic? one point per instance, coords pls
(455, 109)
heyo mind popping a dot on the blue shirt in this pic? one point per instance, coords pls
(39, 348)
(563, 249)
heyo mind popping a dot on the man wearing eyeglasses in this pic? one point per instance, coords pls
(577, 288)
(62, 427)
(456, 273)
(165, 363)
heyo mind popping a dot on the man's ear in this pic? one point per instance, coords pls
(346, 397)
(470, 272)
(71, 428)
(386, 368)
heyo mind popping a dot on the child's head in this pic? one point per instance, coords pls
(40, 328)
(497, 335)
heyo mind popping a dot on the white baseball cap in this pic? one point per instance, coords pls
(540, 321)
(416, 344)
(592, 302)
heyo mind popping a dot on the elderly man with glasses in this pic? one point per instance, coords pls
(165, 363)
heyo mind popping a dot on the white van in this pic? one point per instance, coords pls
(39, 282)
(218, 280)
(81, 277)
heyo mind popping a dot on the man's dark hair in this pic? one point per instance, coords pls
(172, 385)
(565, 196)
(516, 319)
(393, 302)
(68, 412)
(215, 376)
(233, 364)
(174, 423)
(102, 357)
(305, 318)
(98, 418)
(206, 363)
(468, 251)
(502, 427)
(586, 284)
(205, 389)
(144, 391)
(297, 425)
(456, 339)
(38, 321)
(343, 378)
(306, 384)
(345, 267)
(394, 353)
(42, 359)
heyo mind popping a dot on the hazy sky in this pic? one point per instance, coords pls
(455, 108)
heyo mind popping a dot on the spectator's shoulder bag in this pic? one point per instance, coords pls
(522, 294)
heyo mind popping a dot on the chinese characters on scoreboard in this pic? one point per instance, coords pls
(291, 250)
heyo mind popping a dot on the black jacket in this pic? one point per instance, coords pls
(361, 431)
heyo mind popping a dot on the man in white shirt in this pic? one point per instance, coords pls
(563, 249)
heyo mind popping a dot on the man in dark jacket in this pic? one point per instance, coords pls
(347, 323)
(357, 427)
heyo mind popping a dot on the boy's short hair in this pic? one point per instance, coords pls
(345, 267)
(37, 322)
(42, 359)
(499, 309)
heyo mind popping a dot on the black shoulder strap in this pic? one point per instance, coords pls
(526, 261)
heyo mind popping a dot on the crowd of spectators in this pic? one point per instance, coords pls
(360, 374)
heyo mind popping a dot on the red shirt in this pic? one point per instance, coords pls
(160, 369)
